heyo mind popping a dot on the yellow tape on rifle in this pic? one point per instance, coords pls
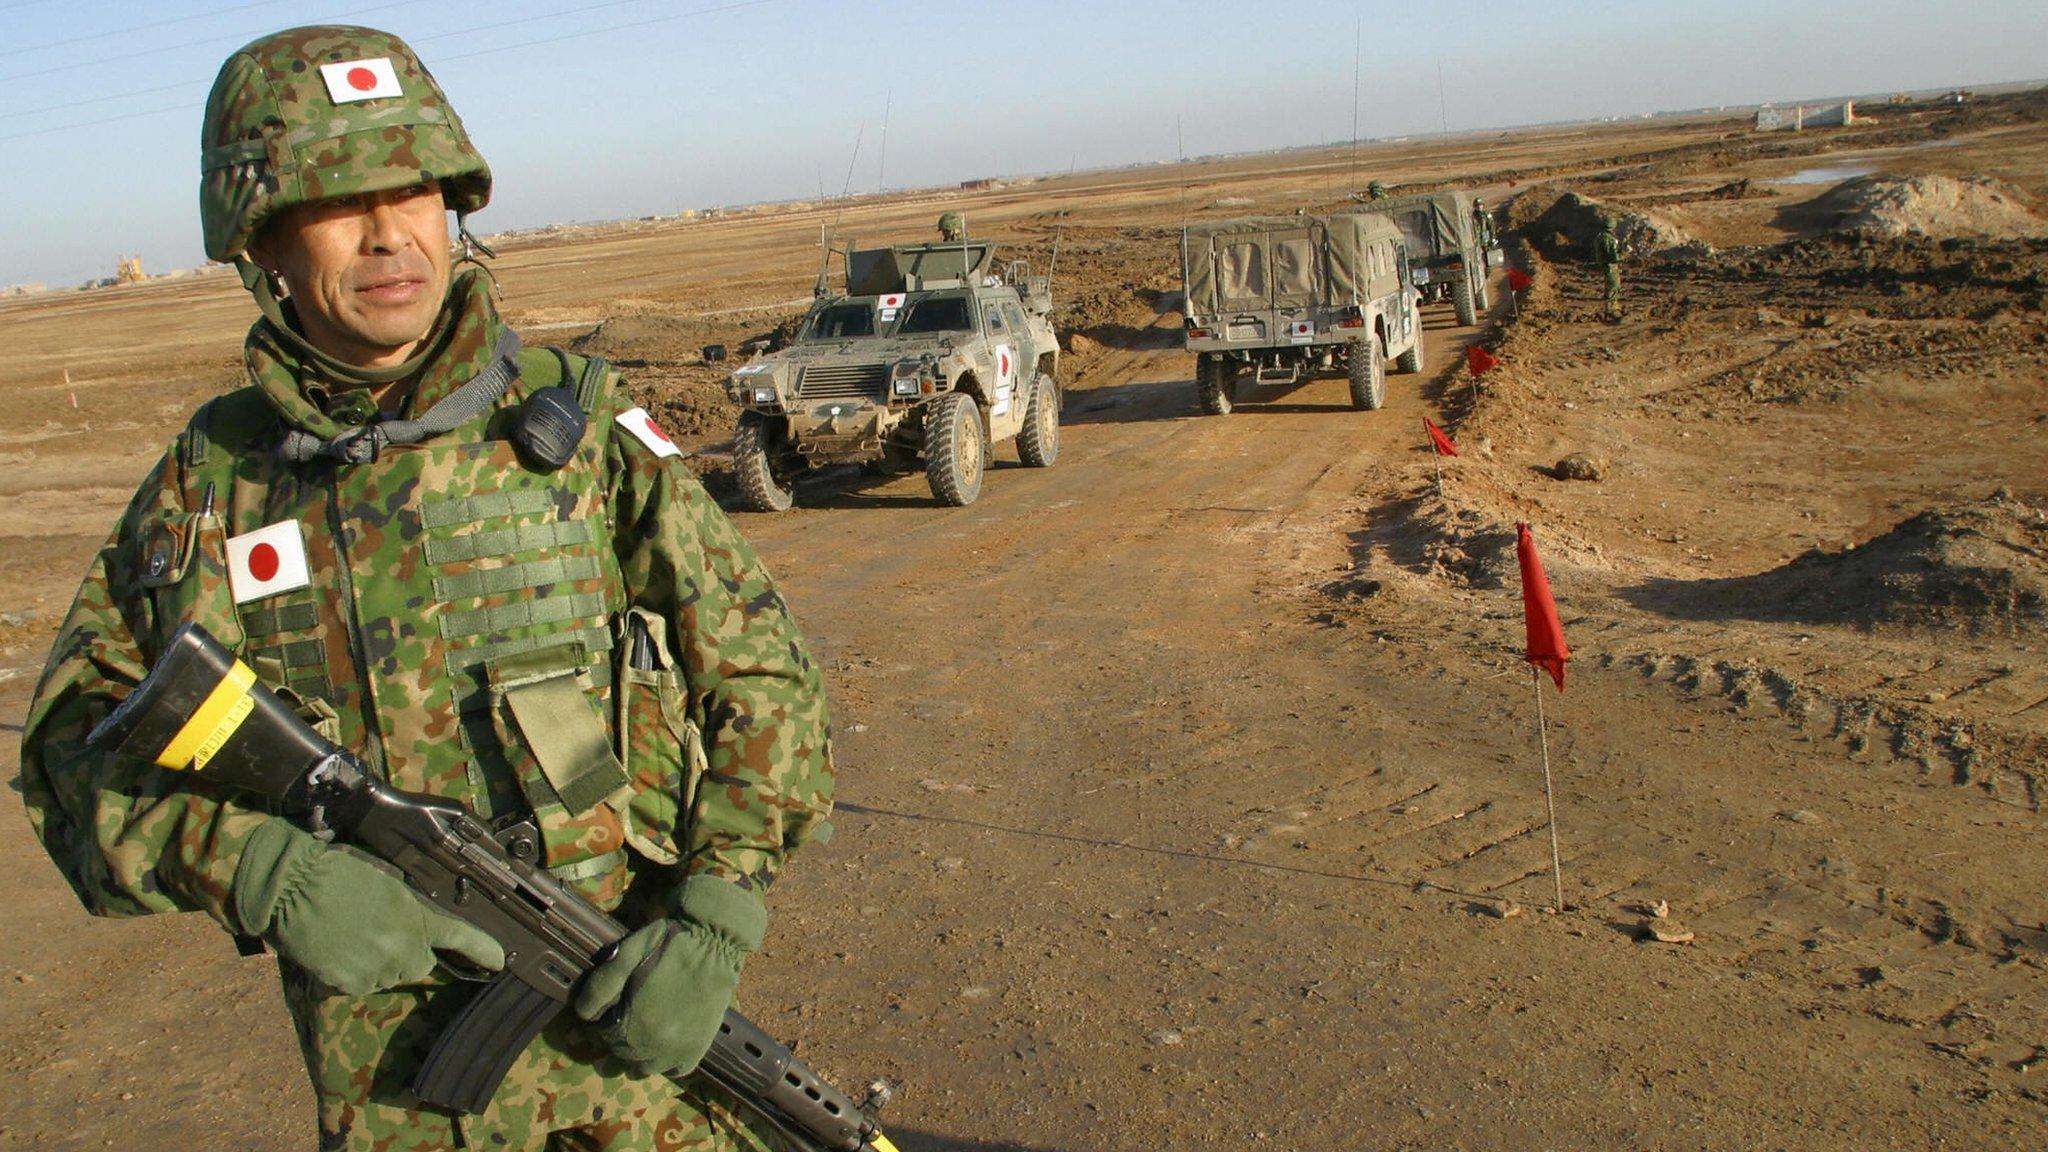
(213, 722)
(881, 1144)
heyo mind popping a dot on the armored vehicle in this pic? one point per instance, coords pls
(930, 356)
(1447, 255)
(1287, 297)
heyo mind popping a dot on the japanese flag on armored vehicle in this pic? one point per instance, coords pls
(931, 356)
(1286, 298)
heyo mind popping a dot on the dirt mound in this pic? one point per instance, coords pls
(1980, 567)
(1938, 207)
(1975, 568)
(1561, 224)
(662, 358)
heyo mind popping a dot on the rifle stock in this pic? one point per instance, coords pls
(201, 710)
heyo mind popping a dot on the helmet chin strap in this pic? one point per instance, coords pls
(259, 283)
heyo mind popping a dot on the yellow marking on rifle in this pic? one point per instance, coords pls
(213, 722)
(881, 1144)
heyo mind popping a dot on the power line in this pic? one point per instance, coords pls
(162, 48)
(140, 27)
(711, 11)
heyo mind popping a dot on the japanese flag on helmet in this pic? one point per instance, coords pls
(270, 560)
(353, 80)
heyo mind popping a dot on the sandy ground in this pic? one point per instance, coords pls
(1190, 789)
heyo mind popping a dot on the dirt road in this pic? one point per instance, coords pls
(1189, 789)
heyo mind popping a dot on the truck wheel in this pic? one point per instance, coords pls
(1411, 360)
(752, 447)
(1368, 376)
(1039, 443)
(955, 449)
(1461, 298)
(1215, 377)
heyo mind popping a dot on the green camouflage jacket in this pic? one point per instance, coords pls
(456, 617)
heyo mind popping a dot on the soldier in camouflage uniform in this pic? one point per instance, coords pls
(566, 630)
(952, 228)
(1607, 251)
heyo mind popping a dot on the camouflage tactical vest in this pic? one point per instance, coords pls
(462, 624)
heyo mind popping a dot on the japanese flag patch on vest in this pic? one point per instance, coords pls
(641, 425)
(270, 560)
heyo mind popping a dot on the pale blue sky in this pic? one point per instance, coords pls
(650, 108)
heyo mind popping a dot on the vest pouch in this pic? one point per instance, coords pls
(183, 562)
(662, 750)
(544, 711)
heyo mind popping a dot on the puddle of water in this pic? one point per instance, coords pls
(1826, 175)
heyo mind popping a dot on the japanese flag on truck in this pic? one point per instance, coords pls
(270, 560)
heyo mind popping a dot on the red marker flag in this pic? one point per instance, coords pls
(1546, 646)
(1479, 360)
(1438, 440)
(1519, 281)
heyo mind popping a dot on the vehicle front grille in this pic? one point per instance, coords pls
(844, 381)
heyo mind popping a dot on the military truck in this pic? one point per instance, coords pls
(1289, 297)
(1448, 258)
(929, 357)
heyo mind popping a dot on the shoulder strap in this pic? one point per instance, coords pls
(223, 429)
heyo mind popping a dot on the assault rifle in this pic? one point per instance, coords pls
(203, 711)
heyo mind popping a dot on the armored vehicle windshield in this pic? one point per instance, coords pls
(942, 312)
(841, 322)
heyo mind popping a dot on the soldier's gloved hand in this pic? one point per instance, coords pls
(661, 996)
(353, 926)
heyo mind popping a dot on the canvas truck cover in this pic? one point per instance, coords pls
(1432, 225)
(1353, 274)
(912, 267)
(1255, 264)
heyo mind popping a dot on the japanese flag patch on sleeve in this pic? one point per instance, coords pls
(353, 80)
(641, 425)
(270, 560)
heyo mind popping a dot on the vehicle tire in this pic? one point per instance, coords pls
(1215, 379)
(1368, 376)
(955, 449)
(1461, 299)
(1038, 444)
(753, 445)
(1410, 361)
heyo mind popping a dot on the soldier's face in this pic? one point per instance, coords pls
(365, 273)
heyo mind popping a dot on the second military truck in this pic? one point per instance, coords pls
(1287, 297)
(1448, 250)
(931, 356)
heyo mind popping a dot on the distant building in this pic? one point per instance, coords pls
(1770, 119)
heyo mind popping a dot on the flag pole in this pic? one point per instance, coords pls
(1436, 456)
(1549, 793)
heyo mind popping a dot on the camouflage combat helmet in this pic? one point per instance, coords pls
(1376, 190)
(310, 113)
(952, 227)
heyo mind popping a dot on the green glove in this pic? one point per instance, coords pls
(662, 995)
(353, 926)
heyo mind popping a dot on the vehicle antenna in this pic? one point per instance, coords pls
(882, 164)
(1180, 151)
(823, 287)
(1357, 39)
(1443, 110)
(847, 188)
